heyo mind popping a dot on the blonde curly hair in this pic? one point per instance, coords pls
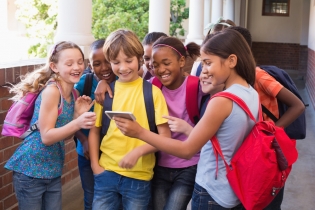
(36, 80)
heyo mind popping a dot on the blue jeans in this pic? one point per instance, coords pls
(87, 181)
(112, 189)
(172, 188)
(37, 194)
(201, 200)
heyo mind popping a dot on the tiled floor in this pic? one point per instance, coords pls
(300, 187)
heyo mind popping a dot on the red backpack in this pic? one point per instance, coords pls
(192, 90)
(261, 165)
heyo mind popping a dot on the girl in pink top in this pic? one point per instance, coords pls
(174, 178)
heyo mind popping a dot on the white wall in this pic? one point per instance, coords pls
(311, 34)
(276, 28)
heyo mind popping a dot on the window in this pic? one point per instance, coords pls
(276, 7)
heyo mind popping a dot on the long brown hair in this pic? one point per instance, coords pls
(227, 42)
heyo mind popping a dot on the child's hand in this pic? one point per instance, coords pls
(86, 120)
(97, 169)
(130, 160)
(83, 104)
(178, 125)
(101, 88)
(128, 127)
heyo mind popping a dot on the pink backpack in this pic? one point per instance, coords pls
(18, 119)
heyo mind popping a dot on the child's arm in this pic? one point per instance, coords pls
(48, 115)
(178, 125)
(101, 88)
(296, 107)
(217, 111)
(94, 145)
(130, 160)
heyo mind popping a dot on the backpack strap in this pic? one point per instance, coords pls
(149, 105)
(268, 113)
(199, 70)
(215, 143)
(192, 90)
(35, 126)
(88, 84)
(239, 102)
(157, 83)
(107, 106)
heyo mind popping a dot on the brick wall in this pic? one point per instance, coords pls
(284, 55)
(310, 76)
(9, 74)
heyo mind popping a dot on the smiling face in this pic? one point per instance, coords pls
(126, 68)
(215, 73)
(100, 66)
(147, 58)
(167, 67)
(70, 65)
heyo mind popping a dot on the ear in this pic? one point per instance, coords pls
(232, 61)
(182, 61)
(53, 67)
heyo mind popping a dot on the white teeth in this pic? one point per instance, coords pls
(106, 75)
(164, 76)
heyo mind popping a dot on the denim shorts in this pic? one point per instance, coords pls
(112, 190)
(36, 194)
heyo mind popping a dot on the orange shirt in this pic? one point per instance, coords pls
(267, 88)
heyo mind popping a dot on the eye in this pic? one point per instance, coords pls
(129, 61)
(114, 62)
(69, 64)
(167, 64)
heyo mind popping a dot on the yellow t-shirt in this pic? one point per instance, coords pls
(115, 145)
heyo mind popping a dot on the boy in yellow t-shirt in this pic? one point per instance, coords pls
(123, 172)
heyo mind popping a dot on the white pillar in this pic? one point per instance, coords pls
(195, 32)
(207, 15)
(159, 16)
(75, 23)
(216, 10)
(3, 16)
(228, 10)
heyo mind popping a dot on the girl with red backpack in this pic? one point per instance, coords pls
(227, 60)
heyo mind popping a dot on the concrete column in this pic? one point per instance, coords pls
(207, 15)
(216, 10)
(196, 10)
(75, 23)
(159, 16)
(228, 10)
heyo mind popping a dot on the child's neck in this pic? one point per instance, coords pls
(66, 90)
(177, 83)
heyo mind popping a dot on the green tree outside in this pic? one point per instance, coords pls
(40, 19)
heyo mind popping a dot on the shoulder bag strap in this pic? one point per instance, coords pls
(149, 105)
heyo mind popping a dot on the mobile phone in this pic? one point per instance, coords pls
(127, 115)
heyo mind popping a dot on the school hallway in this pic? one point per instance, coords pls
(300, 186)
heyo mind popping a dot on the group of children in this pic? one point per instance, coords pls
(131, 167)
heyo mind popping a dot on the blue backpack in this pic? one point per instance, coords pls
(297, 129)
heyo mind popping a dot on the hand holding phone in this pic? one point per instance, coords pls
(126, 115)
